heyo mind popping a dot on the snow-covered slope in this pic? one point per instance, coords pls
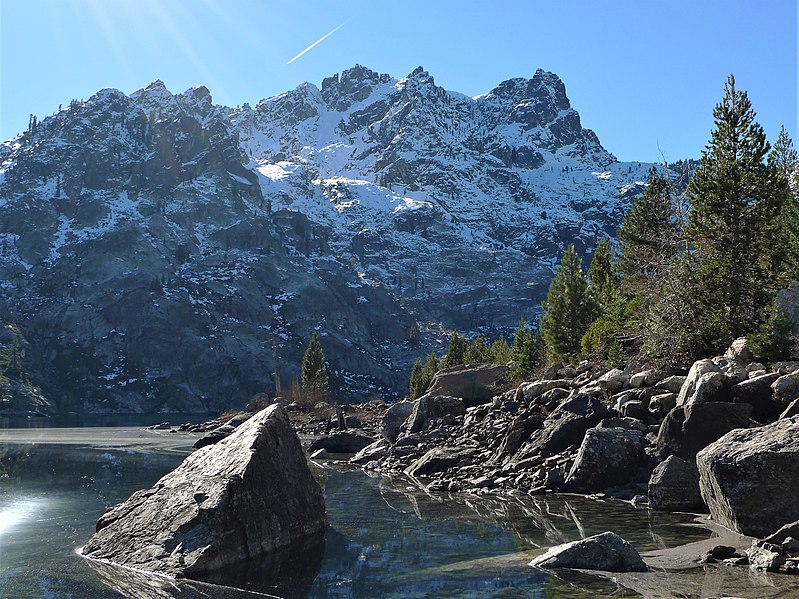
(152, 246)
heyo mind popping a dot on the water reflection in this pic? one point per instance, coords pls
(386, 539)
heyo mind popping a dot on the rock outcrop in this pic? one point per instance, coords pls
(749, 477)
(607, 552)
(246, 496)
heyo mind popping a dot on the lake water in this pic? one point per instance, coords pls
(386, 538)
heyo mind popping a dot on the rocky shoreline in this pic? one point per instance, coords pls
(660, 438)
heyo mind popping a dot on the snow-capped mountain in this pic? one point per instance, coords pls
(158, 250)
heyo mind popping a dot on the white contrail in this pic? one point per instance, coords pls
(319, 41)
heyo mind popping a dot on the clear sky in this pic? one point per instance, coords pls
(644, 75)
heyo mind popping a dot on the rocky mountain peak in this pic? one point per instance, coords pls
(161, 242)
(353, 85)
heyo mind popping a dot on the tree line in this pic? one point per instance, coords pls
(693, 270)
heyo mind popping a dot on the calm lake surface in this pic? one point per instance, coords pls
(386, 539)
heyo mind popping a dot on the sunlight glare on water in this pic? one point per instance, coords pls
(16, 512)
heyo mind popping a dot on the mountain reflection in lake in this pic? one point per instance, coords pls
(386, 539)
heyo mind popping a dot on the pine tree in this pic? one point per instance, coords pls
(732, 226)
(568, 310)
(526, 351)
(500, 352)
(416, 379)
(602, 274)
(429, 370)
(648, 236)
(477, 352)
(314, 371)
(784, 160)
(455, 351)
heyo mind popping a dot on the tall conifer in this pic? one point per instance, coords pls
(568, 310)
(732, 225)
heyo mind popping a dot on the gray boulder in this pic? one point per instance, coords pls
(433, 406)
(674, 486)
(672, 384)
(475, 385)
(688, 429)
(607, 552)
(740, 352)
(613, 380)
(749, 477)
(707, 381)
(440, 459)
(246, 496)
(662, 404)
(608, 457)
(645, 378)
(756, 391)
(376, 451)
(393, 419)
(786, 388)
(533, 390)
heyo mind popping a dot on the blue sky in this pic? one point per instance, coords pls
(644, 75)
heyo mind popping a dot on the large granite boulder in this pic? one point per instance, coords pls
(433, 406)
(393, 419)
(687, 429)
(674, 486)
(607, 552)
(475, 385)
(608, 457)
(749, 477)
(244, 497)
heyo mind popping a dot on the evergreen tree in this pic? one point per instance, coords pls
(11, 358)
(602, 274)
(526, 351)
(477, 352)
(314, 371)
(455, 351)
(500, 352)
(568, 310)
(416, 379)
(648, 236)
(414, 334)
(732, 227)
(784, 160)
(429, 370)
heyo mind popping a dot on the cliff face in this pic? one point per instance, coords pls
(153, 246)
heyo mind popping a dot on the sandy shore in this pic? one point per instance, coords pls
(676, 572)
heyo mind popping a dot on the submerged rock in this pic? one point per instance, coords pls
(231, 502)
(607, 552)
